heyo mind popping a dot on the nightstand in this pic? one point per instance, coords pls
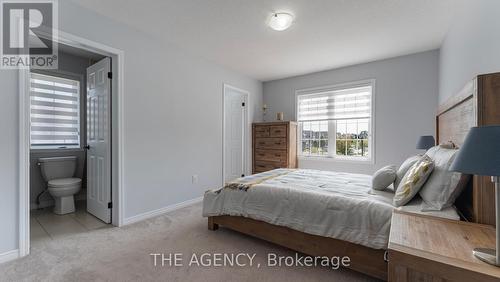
(425, 248)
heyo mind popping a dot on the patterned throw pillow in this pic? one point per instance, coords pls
(413, 180)
(403, 169)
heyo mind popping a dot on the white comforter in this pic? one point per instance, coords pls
(329, 204)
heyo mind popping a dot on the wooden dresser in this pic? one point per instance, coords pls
(274, 145)
(424, 248)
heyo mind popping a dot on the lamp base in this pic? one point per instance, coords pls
(486, 255)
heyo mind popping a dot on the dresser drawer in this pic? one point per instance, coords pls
(270, 143)
(261, 166)
(278, 131)
(272, 156)
(262, 131)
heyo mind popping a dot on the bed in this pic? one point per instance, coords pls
(352, 230)
(324, 203)
(340, 208)
(328, 204)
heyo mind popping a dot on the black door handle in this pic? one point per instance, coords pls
(87, 147)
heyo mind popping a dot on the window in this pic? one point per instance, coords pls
(54, 112)
(336, 122)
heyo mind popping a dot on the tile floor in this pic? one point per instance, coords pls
(45, 225)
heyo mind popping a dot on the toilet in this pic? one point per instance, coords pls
(58, 172)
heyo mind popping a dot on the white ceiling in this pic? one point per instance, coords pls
(326, 34)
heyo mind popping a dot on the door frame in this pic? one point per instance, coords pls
(117, 135)
(246, 130)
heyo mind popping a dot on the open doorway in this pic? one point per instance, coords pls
(61, 116)
(70, 143)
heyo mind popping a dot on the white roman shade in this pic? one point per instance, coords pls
(334, 104)
(55, 110)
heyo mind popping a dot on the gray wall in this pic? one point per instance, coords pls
(471, 47)
(405, 105)
(71, 64)
(172, 126)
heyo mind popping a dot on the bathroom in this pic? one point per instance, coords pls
(58, 148)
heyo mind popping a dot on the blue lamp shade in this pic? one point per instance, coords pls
(426, 142)
(480, 153)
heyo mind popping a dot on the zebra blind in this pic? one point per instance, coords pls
(55, 111)
(351, 103)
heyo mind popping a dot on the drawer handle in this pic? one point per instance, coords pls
(260, 155)
(277, 143)
(262, 143)
(277, 155)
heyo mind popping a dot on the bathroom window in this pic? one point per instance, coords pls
(54, 112)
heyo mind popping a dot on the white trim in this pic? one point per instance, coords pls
(333, 87)
(153, 213)
(246, 134)
(118, 186)
(24, 164)
(8, 256)
(307, 91)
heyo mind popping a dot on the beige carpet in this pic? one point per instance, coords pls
(123, 254)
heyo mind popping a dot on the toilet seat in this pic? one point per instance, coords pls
(64, 182)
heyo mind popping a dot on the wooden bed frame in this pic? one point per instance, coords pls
(363, 259)
(453, 121)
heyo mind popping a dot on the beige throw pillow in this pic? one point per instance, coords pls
(413, 180)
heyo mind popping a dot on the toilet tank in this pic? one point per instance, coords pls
(58, 167)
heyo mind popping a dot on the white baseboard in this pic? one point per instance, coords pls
(8, 256)
(150, 214)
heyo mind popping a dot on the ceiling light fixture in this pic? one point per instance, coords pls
(280, 21)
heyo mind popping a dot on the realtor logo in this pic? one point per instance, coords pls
(28, 32)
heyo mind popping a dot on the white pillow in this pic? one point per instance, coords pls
(441, 189)
(409, 162)
(384, 177)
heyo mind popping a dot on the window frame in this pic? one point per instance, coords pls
(332, 125)
(81, 112)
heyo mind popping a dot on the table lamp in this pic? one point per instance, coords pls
(426, 142)
(480, 155)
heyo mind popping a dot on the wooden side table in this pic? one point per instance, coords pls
(425, 248)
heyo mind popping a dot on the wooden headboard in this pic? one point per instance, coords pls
(456, 116)
(454, 119)
(476, 105)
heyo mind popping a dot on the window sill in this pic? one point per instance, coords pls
(337, 160)
(51, 150)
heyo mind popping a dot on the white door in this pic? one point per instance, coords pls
(98, 140)
(234, 133)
